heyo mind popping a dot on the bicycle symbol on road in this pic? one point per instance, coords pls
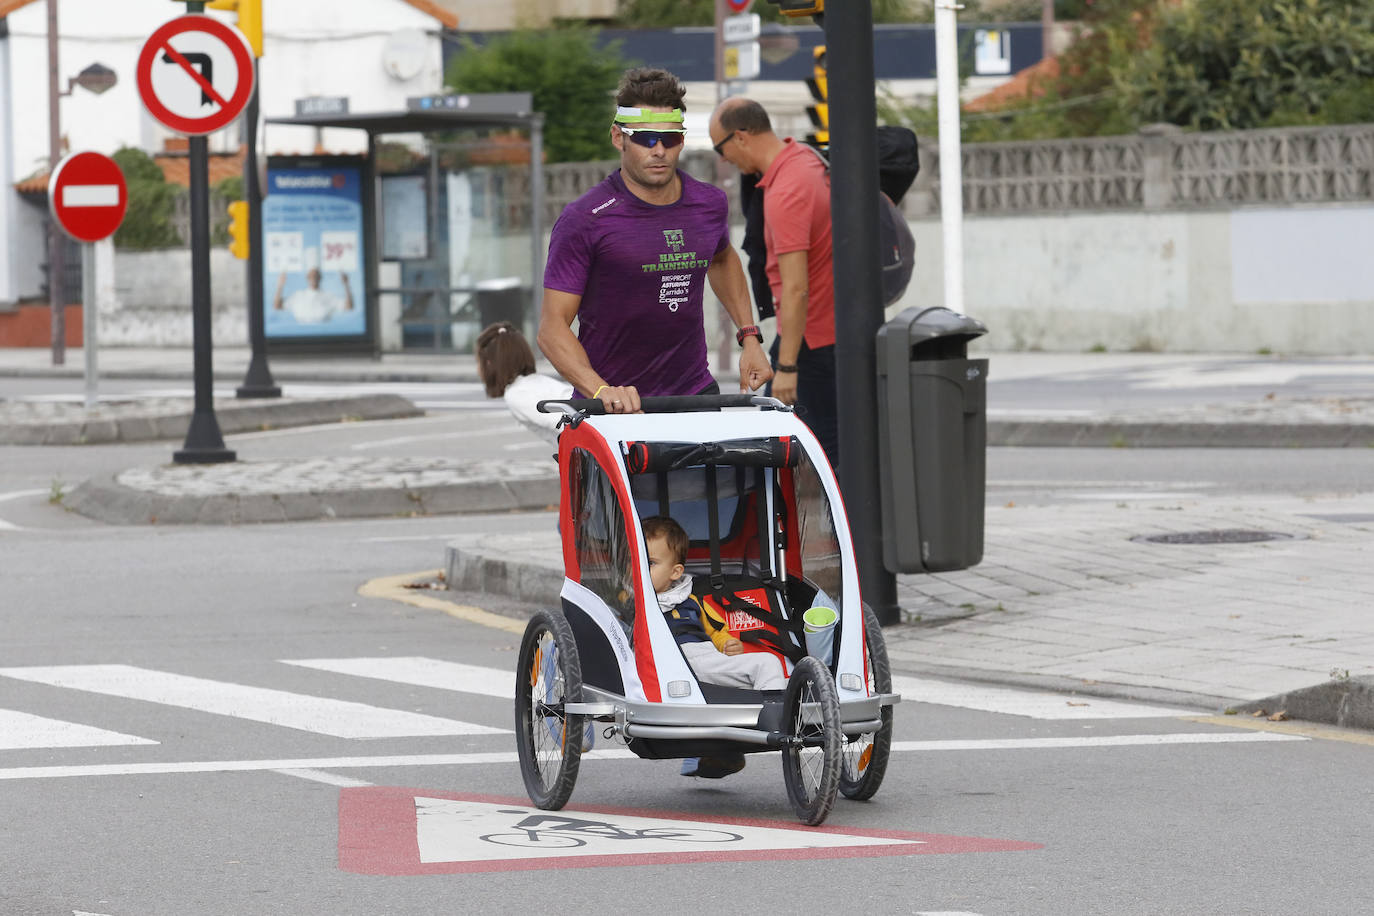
(554, 831)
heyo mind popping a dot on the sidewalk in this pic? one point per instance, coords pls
(1067, 597)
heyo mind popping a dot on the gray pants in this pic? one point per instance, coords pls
(755, 670)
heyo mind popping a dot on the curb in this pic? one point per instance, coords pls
(1345, 703)
(1348, 703)
(104, 499)
(1163, 434)
(233, 416)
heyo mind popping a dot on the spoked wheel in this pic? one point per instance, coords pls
(549, 740)
(811, 758)
(865, 756)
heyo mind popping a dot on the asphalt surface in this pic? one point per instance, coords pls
(1066, 597)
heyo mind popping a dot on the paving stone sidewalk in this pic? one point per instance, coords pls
(1071, 597)
(63, 422)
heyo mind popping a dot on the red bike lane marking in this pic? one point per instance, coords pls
(379, 835)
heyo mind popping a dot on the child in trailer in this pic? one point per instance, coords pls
(715, 656)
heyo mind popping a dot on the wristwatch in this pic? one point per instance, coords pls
(749, 330)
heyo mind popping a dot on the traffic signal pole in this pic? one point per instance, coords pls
(258, 382)
(854, 231)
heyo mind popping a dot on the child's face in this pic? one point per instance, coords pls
(663, 566)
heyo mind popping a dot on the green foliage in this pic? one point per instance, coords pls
(148, 220)
(1200, 64)
(572, 80)
(663, 14)
(1237, 64)
(222, 193)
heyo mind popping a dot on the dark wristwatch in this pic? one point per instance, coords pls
(749, 330)
(785, 367)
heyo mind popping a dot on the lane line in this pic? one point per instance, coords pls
(23, 731)
(392, 588)
(1033, 704)
(1296, 729)
(329, 779)
(321, 715)
(510, 757)
(20, 494)
(419, 671)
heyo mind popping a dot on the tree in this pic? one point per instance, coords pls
(148, 219)
(571, 78)
(1235, 64)
(666, 14)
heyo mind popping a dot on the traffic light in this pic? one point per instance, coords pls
(238, 229)
(800, 7)
(250, 19)
(819, 112)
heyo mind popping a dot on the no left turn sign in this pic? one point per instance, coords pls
(195, 74)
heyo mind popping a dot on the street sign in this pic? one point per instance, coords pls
(195, 74)
(736, 29)
(87, 196)
(739, 6)
(742, 61)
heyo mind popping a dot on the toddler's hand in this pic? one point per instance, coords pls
(732, 646)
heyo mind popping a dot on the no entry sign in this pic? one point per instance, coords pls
(195, 74)
(87, 196)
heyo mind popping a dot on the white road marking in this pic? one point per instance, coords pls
(509, 757)
(450, 830)
(16, 494)
(329, 779)
(1037, 744)
(20, 730)
(1034, 704)
(20, 494)
(340, 718)
(421, 672)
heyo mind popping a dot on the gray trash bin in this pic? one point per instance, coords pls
(502, 299)
(932, 439)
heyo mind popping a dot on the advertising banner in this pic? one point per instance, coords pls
(314, 262)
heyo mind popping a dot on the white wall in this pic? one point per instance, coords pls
(312, 47)
(1290, 280)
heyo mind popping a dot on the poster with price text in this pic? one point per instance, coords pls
(314, 263)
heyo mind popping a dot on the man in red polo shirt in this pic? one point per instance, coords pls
(796, 226)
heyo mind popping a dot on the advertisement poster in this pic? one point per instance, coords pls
(314, 282)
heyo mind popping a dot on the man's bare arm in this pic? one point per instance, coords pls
(792, 303)
(569, 357)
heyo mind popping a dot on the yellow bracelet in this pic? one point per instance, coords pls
(599, 390)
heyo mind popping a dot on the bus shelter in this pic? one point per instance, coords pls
(435, 233)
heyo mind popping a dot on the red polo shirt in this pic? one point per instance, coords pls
(796, 217)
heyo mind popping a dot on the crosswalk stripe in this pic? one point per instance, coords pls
(1030, 703)
(506, 758)
(340, 718)
(23, 731)
(419, 671)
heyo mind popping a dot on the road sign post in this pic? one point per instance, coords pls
(87, 196)
(196, 75)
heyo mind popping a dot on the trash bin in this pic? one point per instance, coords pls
(501, 299)
(932, 439)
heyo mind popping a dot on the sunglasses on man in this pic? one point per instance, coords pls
(651, 138)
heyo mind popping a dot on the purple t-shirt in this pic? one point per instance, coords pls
(641, 272)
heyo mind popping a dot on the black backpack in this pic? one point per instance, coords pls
(898, 164)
